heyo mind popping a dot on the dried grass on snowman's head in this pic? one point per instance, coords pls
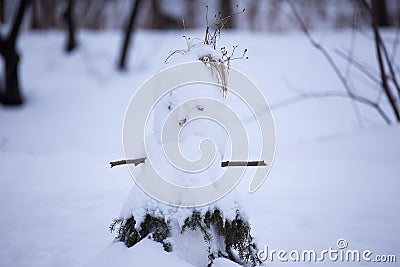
(218, 63)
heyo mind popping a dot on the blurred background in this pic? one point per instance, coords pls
(265, 15)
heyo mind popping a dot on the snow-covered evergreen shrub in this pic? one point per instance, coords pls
(154, 227)
(228, 238)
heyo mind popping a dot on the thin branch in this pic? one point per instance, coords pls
(320, 48)
(292, 87)
(380, 47)
(350, 65)
(361, 67)
(325, 94)
(379, 38)
(395, 46)
(337, 71)
(352, 42)
(389, 63)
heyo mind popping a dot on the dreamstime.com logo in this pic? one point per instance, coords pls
(144, 101)
(340, 253)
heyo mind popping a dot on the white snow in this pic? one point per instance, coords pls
(333, 176)
(116, 254)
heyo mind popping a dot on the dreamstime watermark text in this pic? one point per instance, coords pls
(340, 253)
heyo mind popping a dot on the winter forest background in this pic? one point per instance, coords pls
(329, 70)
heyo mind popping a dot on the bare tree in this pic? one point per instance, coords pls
(385, 81)
(380, 13)
(12, 95)
(128, 33)
(2, 17)
(383, 61)
(71, 28)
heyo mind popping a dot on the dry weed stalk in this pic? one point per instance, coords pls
(219, 67)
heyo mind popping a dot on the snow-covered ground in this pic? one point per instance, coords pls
(333, 176)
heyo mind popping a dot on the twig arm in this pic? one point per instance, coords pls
(223, 164)
(242, 163)
(127, 161)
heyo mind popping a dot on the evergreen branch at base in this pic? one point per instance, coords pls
(223, 164)
(127, 161)
(226, 238)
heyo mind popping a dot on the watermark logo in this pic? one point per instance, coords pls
(137, 116)
(340, 253)
(341, 243)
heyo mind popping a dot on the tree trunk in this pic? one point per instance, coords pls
(128, 33)
(380, 12)
(2, 17)
(12, 95)
(69, 19)
(35, 21)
